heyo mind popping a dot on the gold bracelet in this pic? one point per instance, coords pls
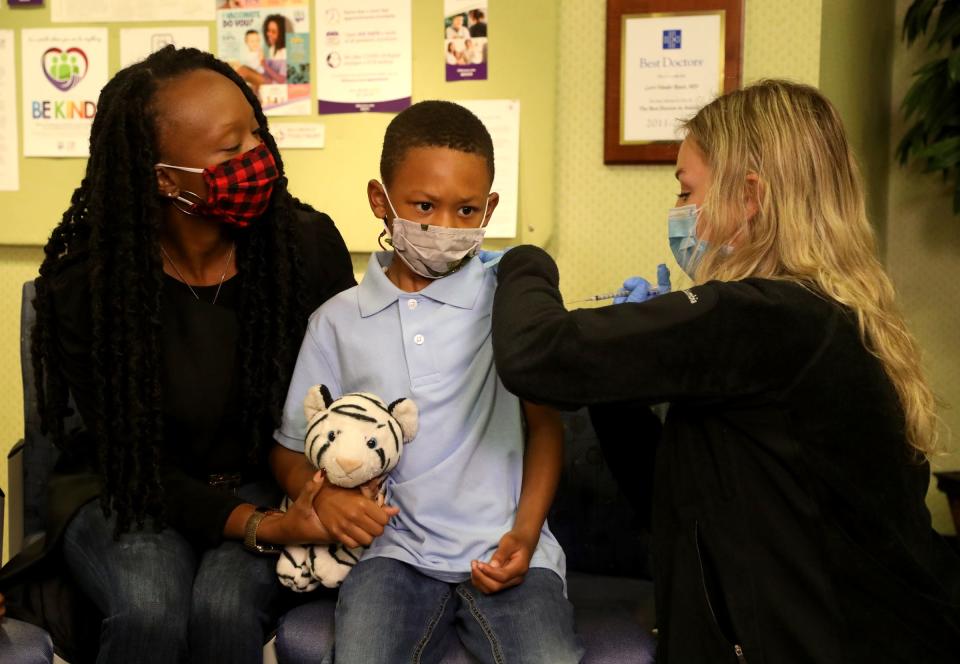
(250, 532)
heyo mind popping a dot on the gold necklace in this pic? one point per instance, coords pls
(223, 275)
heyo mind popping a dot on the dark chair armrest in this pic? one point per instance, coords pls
(14, 499)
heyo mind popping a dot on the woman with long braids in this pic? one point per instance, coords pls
(170, 306)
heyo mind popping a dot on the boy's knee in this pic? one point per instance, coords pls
(305, 633)
(24, 643)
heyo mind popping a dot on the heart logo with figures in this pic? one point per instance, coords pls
(64, 69)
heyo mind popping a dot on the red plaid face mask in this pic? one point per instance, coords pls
(238, 190)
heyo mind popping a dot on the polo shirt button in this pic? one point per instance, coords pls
(418, 339)
(411, 304)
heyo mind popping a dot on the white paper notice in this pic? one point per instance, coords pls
(137, 43)
(672, 66)
(63, 70)
(294, 135)
(130, 11)
(364, 55)
(9, 157)
(502, 119)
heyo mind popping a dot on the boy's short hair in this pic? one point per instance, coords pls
(250, 32)
(434, 124)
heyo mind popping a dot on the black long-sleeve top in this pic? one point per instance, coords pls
(789, 515)
(199, 383)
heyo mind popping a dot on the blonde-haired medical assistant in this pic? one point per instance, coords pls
(789, 519)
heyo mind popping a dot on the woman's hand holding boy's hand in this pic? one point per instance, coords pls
(508, 564)
(324, 513)
(349, 516)
(299, 523)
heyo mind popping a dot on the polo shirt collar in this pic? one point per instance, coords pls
(460, 289)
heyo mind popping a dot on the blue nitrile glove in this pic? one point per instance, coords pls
(640, 288)
(639, 291)
(663, 279)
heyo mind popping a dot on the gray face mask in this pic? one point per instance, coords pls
(433, 251)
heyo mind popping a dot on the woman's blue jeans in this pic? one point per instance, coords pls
(165, 602)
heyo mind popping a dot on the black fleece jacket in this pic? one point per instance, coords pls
(789, 518)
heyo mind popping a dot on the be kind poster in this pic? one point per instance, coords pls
(63, 70)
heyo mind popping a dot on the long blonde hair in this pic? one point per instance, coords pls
(810, 224)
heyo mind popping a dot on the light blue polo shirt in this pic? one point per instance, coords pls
(458, 482)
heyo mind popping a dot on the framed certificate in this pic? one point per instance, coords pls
(665, 60)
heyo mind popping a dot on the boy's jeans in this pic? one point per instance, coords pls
(389, 612)
(23, 643)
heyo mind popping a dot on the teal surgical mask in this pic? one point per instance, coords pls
(682, 233)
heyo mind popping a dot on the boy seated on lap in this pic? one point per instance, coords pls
(469, 548)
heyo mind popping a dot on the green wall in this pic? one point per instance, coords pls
(856, 57)
(601, 222)
(922, 238)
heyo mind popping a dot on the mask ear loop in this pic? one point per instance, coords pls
(483, 220)
(389, 202)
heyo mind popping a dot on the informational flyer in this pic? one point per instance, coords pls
(63, 71)
(672, 66)
(298, 135)
(501, 117)
(465, 42)
(364, 55)
(137, 43)
(130, 11)
(9, 143)
(268, 44)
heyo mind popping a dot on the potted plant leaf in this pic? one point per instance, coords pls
(932, 103)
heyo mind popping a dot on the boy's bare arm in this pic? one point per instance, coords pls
(542, 463)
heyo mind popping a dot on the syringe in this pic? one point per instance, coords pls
(622, 292)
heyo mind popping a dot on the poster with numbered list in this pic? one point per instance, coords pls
(268, 44)
(364, 55)
(63, 71)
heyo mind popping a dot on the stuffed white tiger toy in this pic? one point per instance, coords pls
(356, 440)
